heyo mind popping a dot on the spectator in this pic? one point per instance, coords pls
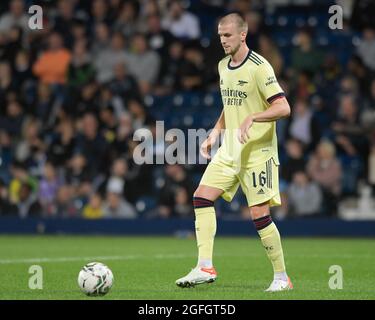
(99, 13)
(300, 125)
(371, 98)
(349, 86)
(22, 70)
(169, 77)
(304, 87)
(28, 204)
(12, 122)
(141, 118)
(105, 98)
(175, 177)
(325, 169)
(86, 100)
(295, 160)
(115, 205)
(92, 144)
(65, 205)
(191, 73)
(144, 64)
(79, 31)
(348, 133)
(183, 207)
(151, 8)
(64, 20)
(304, 197)
(268, 50)
(158, 39)
(6, 207)
(114, 7)
(48, 188)
(15, 17)
(51, 67)
(62, 144)
(181, 23)
(78, 171)
(94, 209)
(366, 48)
(326, 78)
(124, 85)
(139, 177)
(320, 121)
(357, 69)
(108, 124)
(13, 45)
(124, 133)
(6, 155)
(44, 103)
(31, 141)
(7, 83)
(254, 21)
(367, 116)
(305, 57)
(80, 70)
(102, 39)
(127, 21)
(240, 6)
(20, 176)
(371, 171)
(107, 59)
(362, 14)
(118, 172)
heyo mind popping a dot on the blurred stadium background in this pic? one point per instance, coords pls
(73, 93)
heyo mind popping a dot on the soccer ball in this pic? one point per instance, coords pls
(95, 279)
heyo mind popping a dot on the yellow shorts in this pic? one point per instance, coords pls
(259, 184)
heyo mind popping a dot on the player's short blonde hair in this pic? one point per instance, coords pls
(236, 19)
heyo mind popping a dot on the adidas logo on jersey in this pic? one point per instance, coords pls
(261, 191)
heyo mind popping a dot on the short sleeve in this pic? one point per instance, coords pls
(267, 83)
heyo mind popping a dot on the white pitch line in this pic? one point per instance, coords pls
(169, 256)
(97, 258)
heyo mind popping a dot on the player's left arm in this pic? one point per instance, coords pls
(278, 104)
(278, 109)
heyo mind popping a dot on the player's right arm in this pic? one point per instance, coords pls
(212, 138)
(215, 133)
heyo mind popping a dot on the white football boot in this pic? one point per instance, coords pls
(280, 285)
(196, 276)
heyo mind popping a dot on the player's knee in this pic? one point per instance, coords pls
(207, 192)
(259, 211)
(201, 193)
(197, 193)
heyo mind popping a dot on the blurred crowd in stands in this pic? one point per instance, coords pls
(73, 93)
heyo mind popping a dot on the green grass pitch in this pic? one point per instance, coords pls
(147, 267)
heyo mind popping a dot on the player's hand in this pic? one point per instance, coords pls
(243, 132)
(206, 146)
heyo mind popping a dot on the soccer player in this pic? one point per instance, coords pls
(253, 101)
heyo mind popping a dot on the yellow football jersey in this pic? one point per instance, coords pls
(246, 89)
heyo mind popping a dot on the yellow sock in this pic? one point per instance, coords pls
(270, 238)
(205, 228)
